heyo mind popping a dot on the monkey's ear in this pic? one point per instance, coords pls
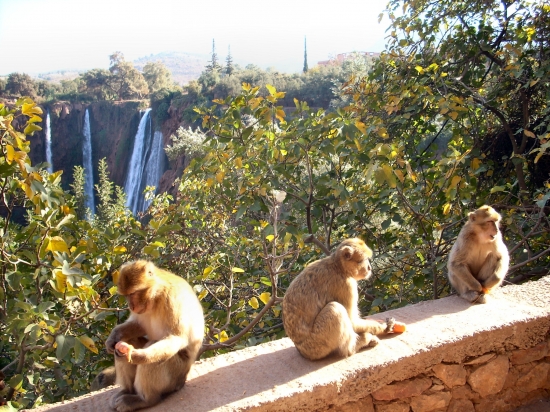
(347, 252)
(150, 268)
(472, 216)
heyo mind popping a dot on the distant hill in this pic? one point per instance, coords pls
(184, 66)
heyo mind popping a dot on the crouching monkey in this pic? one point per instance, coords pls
(155, 348)
(320, 312)
(479, 259)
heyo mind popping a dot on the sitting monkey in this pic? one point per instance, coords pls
(320, 312)
(479, 259)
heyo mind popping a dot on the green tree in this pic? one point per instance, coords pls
(157, 76)
(125, 80)
(229, 68)
(96, 83)
(21, 84)
(213, 65)
(305, 68)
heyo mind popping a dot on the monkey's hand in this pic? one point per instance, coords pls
(389, 325)
(124, 350)
(111, 343)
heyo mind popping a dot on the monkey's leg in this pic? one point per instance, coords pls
(490, 274)
(332, 331)
(372, 326)
(464, 282)
(154, 380)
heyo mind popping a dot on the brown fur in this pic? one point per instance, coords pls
(165, 328)
(320, 312)
(479, 259)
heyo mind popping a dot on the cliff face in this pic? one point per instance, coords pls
(113, 128)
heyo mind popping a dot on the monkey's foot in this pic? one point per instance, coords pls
(473, 296)
(390, 322)
(366, 340)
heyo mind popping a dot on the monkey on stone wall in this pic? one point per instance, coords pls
(479, 259)
(320, 312)
(156, 347)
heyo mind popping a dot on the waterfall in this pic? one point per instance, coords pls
(137, 163)
(146, 164)
(48, 132)
(154, 166)
(87, 159)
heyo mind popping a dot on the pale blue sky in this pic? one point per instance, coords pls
(47, 35)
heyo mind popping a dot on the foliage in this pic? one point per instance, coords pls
(57, 270)
(213, 65)
(125, 81)
(229, 67)
(21, 84)
(186, 142)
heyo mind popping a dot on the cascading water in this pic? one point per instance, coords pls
(137, 163)
(48, 132)
(154, 166)
(88, 170)
(146, 164)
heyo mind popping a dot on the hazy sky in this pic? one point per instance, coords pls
(47, 35)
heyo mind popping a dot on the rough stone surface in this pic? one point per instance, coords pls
(536, 378)
(490, 378)
(393, 407)
(429, 403)
(403, 389)
(274, 377)
(461, 405)
(519, 357)
(451, 375)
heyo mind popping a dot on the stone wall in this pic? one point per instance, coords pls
(490, 382)
(453, 357)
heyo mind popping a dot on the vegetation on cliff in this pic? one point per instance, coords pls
(453, 115)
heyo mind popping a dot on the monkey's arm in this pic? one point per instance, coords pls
(127, 331)
(160, 350)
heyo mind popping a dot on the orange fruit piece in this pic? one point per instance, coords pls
(399, 327)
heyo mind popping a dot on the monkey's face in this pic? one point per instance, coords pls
(488, 231)
(364, 269)
(137, 301)
(354, 255)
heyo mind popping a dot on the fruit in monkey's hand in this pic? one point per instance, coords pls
(485, 290)
(399, 327)
(124, 349)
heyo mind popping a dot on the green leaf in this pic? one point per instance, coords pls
(64, 346)
(16, 382)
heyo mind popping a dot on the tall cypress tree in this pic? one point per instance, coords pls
(213, 65)
(305, 55)
(229, 69)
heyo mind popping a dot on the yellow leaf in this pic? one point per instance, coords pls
(239, 162)
(454, 181)
(119, 249)
(276, 311)
(219, 176)
(357, 144)
(222, 336)
(383, 132)
(453, 115)
(264, 297)
(280, 115)
(237, 270)
(113, 290)
(10, 153)
(209, 182)
(89, 343)
(270, 238)
(361, 126)
(207, 271)
(254, 303)
(446, 208)
(272, 90)
(57, 244)
(476, 163)
(60, 280)
(419, 69)
(203, 294)
(116, 274)
(400, 175)
(529, 133)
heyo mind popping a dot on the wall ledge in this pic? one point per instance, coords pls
(448, 331)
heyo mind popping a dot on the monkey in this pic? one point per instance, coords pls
(320, 312)
(159, 342)
(478, 261)
(103, 379)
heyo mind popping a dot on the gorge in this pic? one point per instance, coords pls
(127, 134)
